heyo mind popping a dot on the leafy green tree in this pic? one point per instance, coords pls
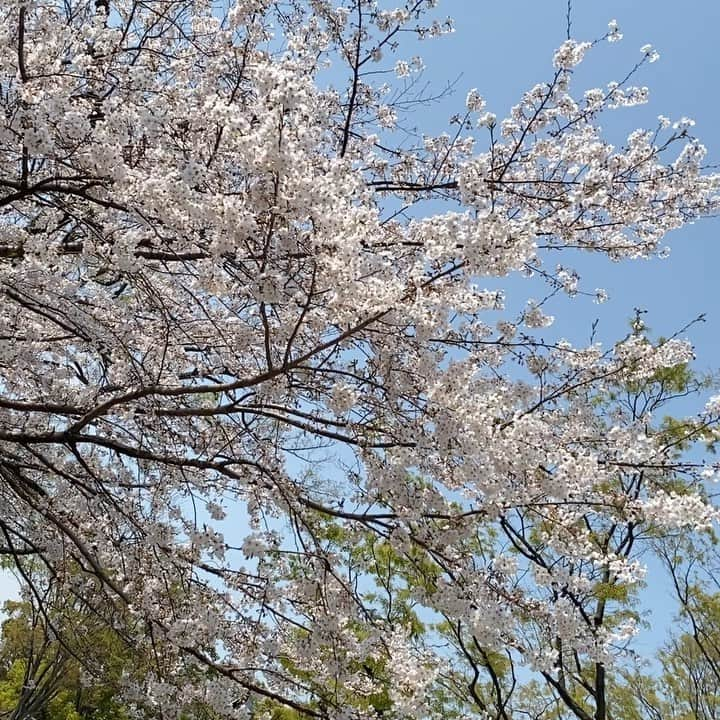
(690, 660)
(56, 661)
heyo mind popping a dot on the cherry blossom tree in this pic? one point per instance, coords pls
(245, 339)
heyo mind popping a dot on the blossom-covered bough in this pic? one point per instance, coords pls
(252, 412)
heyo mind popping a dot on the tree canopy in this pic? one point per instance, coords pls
(262, 434)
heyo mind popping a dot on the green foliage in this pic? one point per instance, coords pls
(11, 682)
(39, 672)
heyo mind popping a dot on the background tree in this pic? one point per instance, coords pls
(690, 660)
(56, 661)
